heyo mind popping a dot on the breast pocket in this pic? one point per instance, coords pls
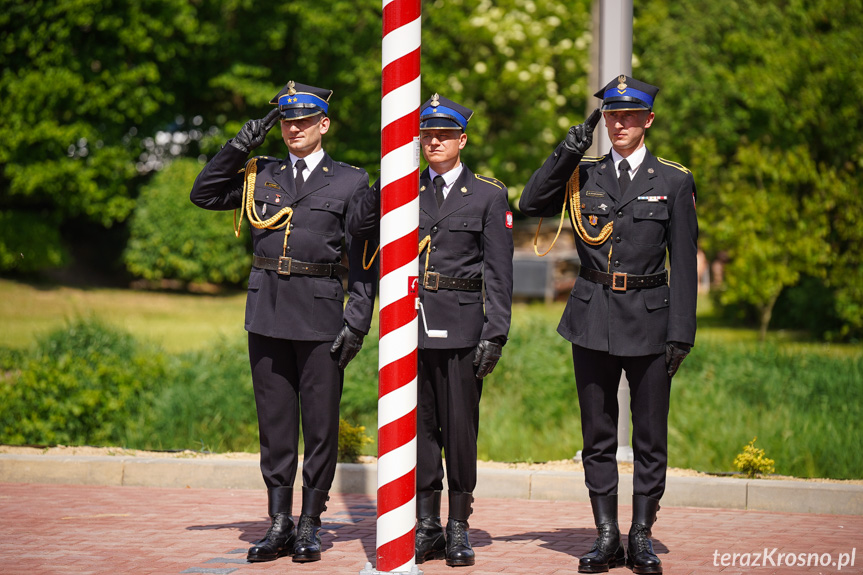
(325, 215)
(268, 201)
(594, 213)
(465, 233)
(650, 221)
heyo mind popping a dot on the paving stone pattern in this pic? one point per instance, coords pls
(79, 529)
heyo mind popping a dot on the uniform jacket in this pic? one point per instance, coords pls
(638, 321)
(296, 307)
(470, 238)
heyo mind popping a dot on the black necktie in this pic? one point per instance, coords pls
(438, 189)
(298, 178)
(623, 180)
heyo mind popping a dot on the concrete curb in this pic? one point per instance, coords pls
(715, 492)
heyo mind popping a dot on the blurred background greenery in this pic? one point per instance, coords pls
(111, 108)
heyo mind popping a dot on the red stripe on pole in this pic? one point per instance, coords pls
(399, 550)
(399, 193)
(400, 370)
(399, 491)
(392, 433)
(400, 13)
(400, 72)
(400, 133)
(396, 251)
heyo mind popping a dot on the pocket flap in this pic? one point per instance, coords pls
(334, 205)
(650, 211)
(465, 224)
(657, 297)
(328, 288)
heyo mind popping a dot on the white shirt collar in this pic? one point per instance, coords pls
(635, 159)
(312, 161)
(449, 178)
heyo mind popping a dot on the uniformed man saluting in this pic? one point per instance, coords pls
(301, 334)
(628, 209)
(465, 228)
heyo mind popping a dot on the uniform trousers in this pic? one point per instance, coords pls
(447, 418)
(289, 378)
(597, 378)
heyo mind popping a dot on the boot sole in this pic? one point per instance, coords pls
(265, 558)
(307, 558)
(645, 570)
(460, 563)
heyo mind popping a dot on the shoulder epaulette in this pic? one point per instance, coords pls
(343, 164)
(492, 181)
(592, 159)
(680, 167)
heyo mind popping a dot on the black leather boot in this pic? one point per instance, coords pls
(639, 553)
(279, 540)
(308, 545)
(607, 551)
(458, 550)
(430, 542)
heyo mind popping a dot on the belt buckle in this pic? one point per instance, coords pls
(431, 281)
(284, 268)
(616, 283)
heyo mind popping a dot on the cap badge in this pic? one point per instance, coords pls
(435, 100)
(621, 87)
(291, 89)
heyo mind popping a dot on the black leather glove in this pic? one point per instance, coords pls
(350, 341)
(580, 137)
(675, 353)
(254, 132)
(485, 357)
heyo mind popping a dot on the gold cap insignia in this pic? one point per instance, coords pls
(621, 87)
(291, 89)
(435, 100)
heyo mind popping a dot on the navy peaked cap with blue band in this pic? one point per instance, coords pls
(439, 113)
(625, 93)
(297, 101)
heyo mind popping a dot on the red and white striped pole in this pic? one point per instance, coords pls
(397, 387)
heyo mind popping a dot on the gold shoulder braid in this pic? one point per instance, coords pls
(248, 204)
(573, 197)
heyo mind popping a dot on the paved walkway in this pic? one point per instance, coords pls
(86, 529)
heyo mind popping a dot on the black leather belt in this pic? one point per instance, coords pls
(433, 281)
(623, 282)
(288, 266)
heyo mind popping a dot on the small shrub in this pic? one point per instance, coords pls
(352, 439)
(754, 461)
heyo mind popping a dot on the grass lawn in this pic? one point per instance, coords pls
(177, 322)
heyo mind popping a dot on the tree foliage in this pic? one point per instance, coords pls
(759, 99)
(169, 238)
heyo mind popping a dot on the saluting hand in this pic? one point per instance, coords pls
(350, 342)
(580, 137)
(675, 353)
(254, 132)
(486, 357)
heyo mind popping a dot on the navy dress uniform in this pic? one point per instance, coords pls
(301, 333)
(624, 311)
(466, 244)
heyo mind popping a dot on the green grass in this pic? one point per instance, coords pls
(176, 322)
(801, 399)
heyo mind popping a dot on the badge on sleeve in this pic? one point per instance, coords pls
(509, 220)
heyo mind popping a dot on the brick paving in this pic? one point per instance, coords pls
(77, 529)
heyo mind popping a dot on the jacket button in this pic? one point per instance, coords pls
(617, 263)
(464, 224)
(294, 205)
(328, 204)
(434, 229)
(434, 248)
(292, 225)
(431, 268)
(619, 214)
(617, 240)
(666, 300)
(287, 249)
(650, 214)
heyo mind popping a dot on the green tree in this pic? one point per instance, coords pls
(759, 100)
(169, 238)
